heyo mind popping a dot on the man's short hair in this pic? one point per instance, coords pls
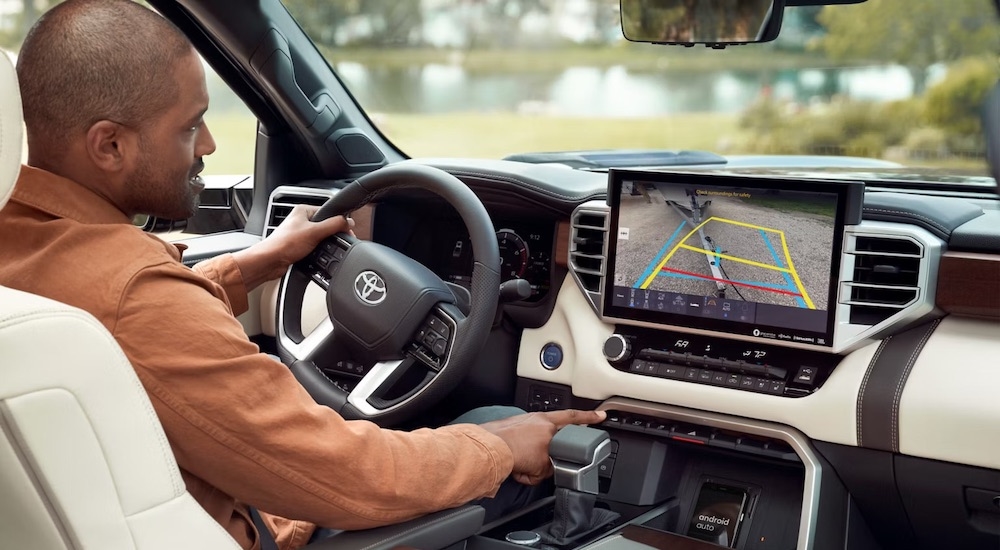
(91, 60)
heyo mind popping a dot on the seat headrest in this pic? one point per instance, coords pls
(11, 118)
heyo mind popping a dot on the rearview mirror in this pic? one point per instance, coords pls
(716, 23)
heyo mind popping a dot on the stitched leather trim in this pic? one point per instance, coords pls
(882, 389)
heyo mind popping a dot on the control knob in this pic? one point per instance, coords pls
(617, 348)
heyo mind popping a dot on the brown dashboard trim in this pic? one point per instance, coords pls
(363, 221)
(562, 244)
(969, 284)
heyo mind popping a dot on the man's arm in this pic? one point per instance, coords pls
(240, 421)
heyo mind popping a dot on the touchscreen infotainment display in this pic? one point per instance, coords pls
(751, 256)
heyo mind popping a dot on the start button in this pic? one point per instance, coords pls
(551, 356)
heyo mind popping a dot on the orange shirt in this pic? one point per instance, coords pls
(241, 427)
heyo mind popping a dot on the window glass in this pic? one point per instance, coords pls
(894, 80)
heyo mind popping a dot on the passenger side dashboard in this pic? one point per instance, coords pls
(898, 386)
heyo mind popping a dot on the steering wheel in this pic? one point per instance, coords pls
(391, 319)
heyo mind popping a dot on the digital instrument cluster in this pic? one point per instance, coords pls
(525, 253)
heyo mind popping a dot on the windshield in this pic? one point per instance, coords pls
(900, 81)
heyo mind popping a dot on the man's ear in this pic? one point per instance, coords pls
(110, 145)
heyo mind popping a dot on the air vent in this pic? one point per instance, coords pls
(586, 252)
(886, 278)
(284, 199)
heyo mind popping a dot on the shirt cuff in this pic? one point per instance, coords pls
(501, 458)
(225, 272)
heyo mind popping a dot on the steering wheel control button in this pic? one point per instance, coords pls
(551, 356)
(439, 347)
(351, 367)
(430, 338)
(437, 325)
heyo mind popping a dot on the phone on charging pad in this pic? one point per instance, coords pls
(718, 513)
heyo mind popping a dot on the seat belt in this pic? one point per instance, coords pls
(267, 541)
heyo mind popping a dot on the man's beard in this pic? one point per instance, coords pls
(169, 195)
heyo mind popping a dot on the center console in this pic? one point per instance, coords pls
(693, 480)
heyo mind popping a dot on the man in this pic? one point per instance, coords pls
(113, 101)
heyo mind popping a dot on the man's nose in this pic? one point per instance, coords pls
(206, 143)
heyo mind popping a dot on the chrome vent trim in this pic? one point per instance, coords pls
(878, 298)
(588, 249)
(891, 284)
(283, 199)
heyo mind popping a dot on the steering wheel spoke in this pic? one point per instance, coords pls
(311, 345)
(387, 385)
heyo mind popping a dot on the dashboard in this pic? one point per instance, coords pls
(876, 396)
(871, 397)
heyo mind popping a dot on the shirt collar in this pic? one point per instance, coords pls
(64, 198)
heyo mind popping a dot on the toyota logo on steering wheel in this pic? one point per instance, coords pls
(369, 287)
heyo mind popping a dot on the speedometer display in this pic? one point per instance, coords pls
(514, 255)
(525, 248)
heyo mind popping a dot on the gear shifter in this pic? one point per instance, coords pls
(575, 452)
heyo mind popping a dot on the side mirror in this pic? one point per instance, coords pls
(715, 23)
(143, 221)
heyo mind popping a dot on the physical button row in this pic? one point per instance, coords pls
(703, 361)
(351, 367)
(701, 435)
(434, 335)
(330, 253)
(706, 376)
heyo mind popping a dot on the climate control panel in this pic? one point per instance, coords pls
(774, 370)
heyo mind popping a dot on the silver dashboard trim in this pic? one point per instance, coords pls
(796, 439)
(596, 208)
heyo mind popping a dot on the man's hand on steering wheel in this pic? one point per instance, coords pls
(291, 241)
(298, 235)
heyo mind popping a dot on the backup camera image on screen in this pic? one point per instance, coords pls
(747, 255)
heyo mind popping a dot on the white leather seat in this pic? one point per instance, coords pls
(84, 462)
